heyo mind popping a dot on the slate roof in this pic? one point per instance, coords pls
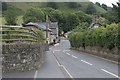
(41, 26)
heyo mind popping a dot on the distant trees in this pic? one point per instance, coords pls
(113, 14)
(52, 5)
(98, 4)
(83, 26)
(34, 15)
(72, 21)
(72, 4)
(90, 9)
(104, 6)
(11, 15)
(4, 6)
(117, 10)
(83, 17)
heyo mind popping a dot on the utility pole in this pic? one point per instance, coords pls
(47, 29)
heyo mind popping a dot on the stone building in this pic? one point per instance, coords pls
(42, 27)
(52, 29)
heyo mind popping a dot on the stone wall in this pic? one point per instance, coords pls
(102, 52)
(22, 57)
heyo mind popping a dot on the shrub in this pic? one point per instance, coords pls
(100, 37)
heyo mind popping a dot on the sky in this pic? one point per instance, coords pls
(107, 2)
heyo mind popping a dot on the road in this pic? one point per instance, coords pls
(61, 62)
(82, 65)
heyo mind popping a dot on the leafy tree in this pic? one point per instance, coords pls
(111, 15)
(4, 6)
(98, 4)
(83, 17)
(90, 9)
(72, 22)
(104, 6)
(102, 20)
(34, 15)
(52, 5)
(117, 10)
(11, 15)
(48, 10)
(72, 5)
(81, 27)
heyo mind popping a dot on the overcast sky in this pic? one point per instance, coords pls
(107, 2)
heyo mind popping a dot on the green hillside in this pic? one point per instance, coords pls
(61, 5)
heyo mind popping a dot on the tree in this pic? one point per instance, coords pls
(4, 6)
(34, 15)
(111, 16)
(84, 17)
(102, 20)
(72, 5)
(52, 5)
(71, 22)
(98, 4)
(11, 15)
(104, 6)
(83, 26)
(90, 9)
(117, 10)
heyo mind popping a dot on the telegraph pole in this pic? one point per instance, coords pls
(46, 28)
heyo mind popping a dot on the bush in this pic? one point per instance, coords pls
(100, 37)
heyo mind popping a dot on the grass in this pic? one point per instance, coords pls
(2, 21)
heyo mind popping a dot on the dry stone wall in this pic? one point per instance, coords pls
(22, 57)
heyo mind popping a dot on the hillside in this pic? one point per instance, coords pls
(63, 6)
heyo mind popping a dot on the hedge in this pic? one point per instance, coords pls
(104, 37)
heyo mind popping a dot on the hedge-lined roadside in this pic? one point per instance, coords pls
(103, 37)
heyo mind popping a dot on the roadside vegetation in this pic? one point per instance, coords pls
(104, 37)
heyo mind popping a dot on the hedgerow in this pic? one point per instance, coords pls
(104, 37)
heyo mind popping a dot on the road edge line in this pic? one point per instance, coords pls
(35, 75)
(110, 73)
(66, 71)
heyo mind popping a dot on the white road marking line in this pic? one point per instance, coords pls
(65, 50)
(58, 63)
(56, 50)
(74, 56)
(64, 68)
(110, 73)
(67, 71)
(67, 53)
(86, 62)
(56, 44)
(35, 76)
